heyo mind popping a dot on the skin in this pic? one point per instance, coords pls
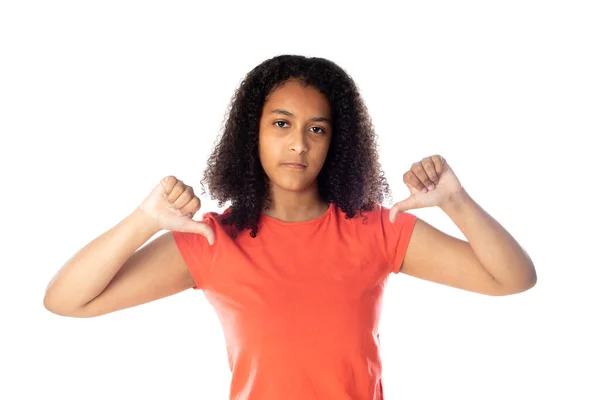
(490, 261)
(299, 132)
(127, 274)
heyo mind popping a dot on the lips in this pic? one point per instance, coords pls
(293, 165)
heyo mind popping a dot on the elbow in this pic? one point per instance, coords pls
(57, 307)
(525, 286)
(525, 283)
(530, 279)
(54, 307)
(50, 303)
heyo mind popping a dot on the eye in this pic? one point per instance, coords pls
(279, 122)
(322, 131)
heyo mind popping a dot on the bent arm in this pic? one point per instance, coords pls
(110, 273)
(496, 249)
(490, 262)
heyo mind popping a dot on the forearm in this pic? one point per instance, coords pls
(496, 249)
(85, 275)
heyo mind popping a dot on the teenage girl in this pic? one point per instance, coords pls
(296, 266)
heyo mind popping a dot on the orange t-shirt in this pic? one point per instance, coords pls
(300, 303)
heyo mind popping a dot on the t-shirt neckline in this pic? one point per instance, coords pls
(269, 219)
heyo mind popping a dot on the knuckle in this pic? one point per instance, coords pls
(180, 189)
(194, 203)
(169, 180)
(168, 183)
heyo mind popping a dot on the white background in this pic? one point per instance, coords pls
(99, 100)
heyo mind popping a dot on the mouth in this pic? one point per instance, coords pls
(294, 165)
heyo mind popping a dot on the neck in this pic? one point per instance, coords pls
(296, 206)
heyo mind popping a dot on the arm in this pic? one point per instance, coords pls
(112, 272)
(491, 261)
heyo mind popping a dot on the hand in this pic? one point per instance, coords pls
(172, 204)
(431, 182)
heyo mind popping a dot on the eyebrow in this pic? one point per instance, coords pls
(289, 114)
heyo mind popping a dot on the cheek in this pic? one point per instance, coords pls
(321, 154)
(267, 151)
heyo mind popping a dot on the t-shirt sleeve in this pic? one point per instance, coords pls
(397, 236)
(197, 253)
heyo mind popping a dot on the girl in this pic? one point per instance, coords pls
(296, 266)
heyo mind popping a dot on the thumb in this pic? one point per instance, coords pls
(401, 206)
(200, 228)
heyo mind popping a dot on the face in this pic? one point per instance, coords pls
(295, 133)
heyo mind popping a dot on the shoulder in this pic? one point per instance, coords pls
(214, 220)
(216, 217)
(375, 225)
(378, 215)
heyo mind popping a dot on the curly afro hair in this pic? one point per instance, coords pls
(351, 176)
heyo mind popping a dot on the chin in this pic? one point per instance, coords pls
(291, 184)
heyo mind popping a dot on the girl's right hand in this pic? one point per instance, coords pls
(172, 204)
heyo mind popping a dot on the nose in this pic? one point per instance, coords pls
(298, 142)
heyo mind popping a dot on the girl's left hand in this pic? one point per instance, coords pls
(431, 182)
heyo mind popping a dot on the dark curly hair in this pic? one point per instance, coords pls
(351, 176)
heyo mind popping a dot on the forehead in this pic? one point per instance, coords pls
(293, 96)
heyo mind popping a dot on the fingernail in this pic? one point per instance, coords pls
(424, 190)
(431, 187)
